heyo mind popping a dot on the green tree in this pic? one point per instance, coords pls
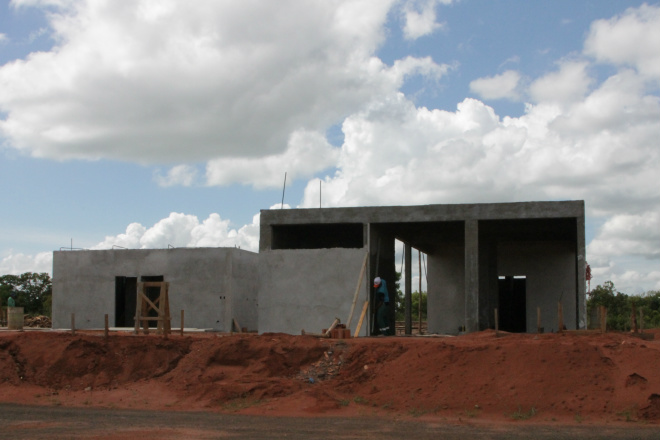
(33, 291)
(619, 306)
(399, 301)
(649, 304)
(415, 297)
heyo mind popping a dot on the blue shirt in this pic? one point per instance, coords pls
(383, 289)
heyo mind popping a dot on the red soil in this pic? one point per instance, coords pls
(565, 378)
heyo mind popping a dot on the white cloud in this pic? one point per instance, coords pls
(307, 154)
(568, 85)
(185, 230)
(164, 81)
(16, 264)
(420, 18)
(184, 175)
(629, 234)
(503, 86)
(631, 39)
(3, 38)
(580, 140)
(169, 83)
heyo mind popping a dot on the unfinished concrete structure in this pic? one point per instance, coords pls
(516, 257)
(213, 286)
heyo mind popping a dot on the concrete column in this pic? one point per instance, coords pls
(408, 289)
(580, 277)
(471, 275)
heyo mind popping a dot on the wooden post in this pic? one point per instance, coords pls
(181, 322)
(560, 316)
(73, 324)
(105, 333)
(633, 318)
(407, 251)
(603, 319)
(641, 320)
(419, 300)
(497, 322)
(365, 307)
(167, 323)
(332, 326)
(138, 303)
(357, 289)
(538, 320)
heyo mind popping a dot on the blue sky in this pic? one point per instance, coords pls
(156, 123)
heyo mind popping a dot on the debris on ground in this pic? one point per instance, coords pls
(325, 368)
(37, 322)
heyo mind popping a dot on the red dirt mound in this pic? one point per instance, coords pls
(552, 377)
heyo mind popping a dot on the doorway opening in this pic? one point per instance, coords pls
(512, 301)
(125, 297)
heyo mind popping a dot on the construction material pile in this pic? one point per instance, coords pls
(37, 322)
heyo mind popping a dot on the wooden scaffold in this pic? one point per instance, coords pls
(161, 305)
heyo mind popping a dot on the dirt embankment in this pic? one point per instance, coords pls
(545, 378)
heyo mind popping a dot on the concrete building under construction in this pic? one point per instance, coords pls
(516, 257)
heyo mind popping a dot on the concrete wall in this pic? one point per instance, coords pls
(212, 285)
(550, 271)
(245, 283)
(446, 290)
(308, 288)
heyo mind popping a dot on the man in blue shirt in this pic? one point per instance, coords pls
(382, 306)
(381, 287)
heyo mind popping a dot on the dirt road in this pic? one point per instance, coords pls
(34, 422)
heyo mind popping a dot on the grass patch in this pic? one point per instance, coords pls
(344, 402)
(472, 413)
(578, 418)
(240, 403)
(417, 412)
(523, 415)
(629, 415)
(360, 400)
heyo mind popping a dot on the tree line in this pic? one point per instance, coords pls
(620, 306)
(33, 292)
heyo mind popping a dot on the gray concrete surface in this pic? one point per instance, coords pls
(469, 246)
(212, 285)
(549, 268)
(308, 288)
(310, 259)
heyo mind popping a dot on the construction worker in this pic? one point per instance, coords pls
(381, 287)
(382, 306)
(381, 316)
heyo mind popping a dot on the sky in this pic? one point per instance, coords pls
(163, 123)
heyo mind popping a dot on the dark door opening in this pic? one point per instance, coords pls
(125, 297)
(512, 304)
